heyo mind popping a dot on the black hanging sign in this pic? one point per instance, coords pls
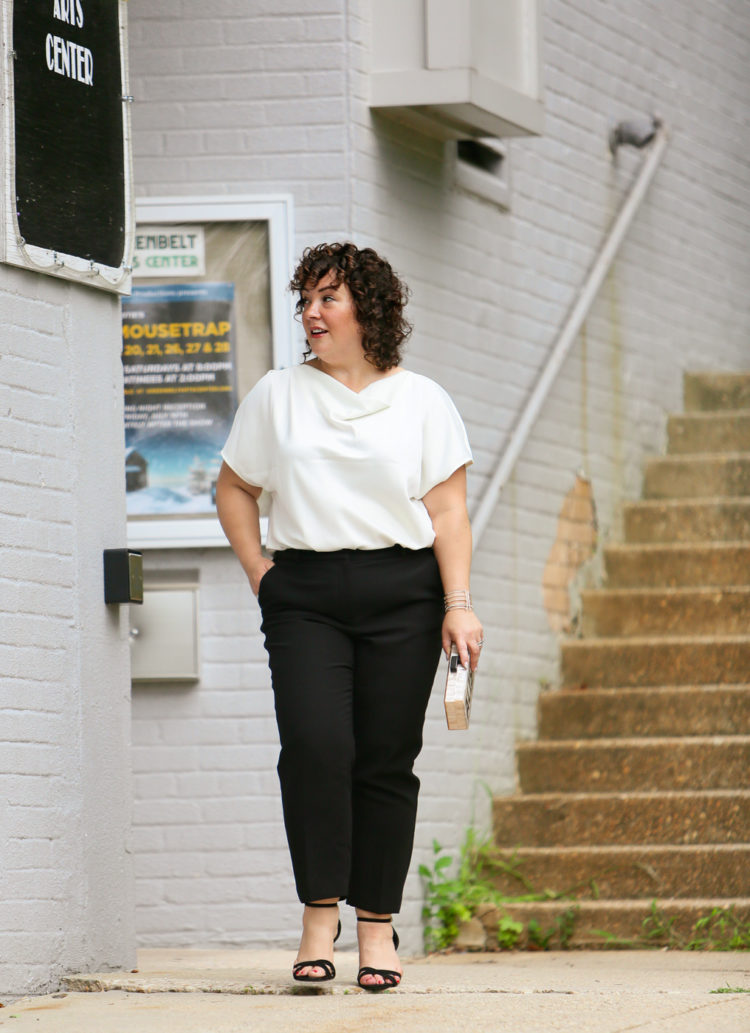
(69, 141)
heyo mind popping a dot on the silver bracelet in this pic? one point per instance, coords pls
(458, 599)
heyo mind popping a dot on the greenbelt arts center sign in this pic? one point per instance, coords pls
(68, 195)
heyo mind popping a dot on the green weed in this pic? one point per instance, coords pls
(453, 897)
(508, 933)
(720, 930)
(463, 888)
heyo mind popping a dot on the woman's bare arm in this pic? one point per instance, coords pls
(237, 506)
(446, 505)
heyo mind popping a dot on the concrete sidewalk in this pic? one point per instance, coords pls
(194, 991)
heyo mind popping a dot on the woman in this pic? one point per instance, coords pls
(362, 468)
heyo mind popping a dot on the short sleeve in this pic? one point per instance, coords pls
(249, 447)
(445, 446)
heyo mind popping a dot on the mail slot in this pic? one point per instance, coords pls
(164, 634)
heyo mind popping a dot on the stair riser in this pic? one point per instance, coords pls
(621, 820)
(641, 663)
(635, 874)
(684, 567)
(590, 714)
(712, 392)
(690, 435)
(642, 786)
(591, 767)
(710, 522)
(696, 478)
(630, 925)
(610, 614)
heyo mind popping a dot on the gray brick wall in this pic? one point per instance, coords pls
(272, 97)
(65, 790)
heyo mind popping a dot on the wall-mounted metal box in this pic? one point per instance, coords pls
(457, 69)
(123, 576)
(164, 633)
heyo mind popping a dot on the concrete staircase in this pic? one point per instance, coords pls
(638, 788)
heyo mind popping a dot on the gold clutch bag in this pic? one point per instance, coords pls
(459, 688)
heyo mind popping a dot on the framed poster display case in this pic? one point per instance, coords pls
(208, 316)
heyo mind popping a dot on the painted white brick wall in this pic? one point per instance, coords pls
(65, 789)
(232, 95)
(271, 96)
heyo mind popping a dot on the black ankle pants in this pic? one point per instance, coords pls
(353, 639)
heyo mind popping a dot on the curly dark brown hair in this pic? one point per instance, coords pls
(378, 293)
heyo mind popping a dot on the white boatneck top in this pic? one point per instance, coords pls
(342, 469)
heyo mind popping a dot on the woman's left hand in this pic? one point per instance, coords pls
(463, 629)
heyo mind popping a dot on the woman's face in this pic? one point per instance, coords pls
(330, 322)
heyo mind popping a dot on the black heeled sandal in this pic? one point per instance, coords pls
(329, 970)
(390, 977)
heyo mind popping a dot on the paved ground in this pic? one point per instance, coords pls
(251, 992)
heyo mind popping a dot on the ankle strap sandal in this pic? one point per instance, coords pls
(329, 971)
(391, 978)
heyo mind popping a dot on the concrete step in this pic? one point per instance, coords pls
(628, 872)
(668, 711)
(692, 477)
(634, 765)
(612, 819)
(709, 432)
(674, 566)
(687, 520)
(705, 392)
(672, 611)
(636, 662)
(604, 923)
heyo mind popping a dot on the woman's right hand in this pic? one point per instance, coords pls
(256, 574)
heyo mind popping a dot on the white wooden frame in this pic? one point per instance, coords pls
(178, 532)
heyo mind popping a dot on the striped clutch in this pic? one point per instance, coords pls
(459, 688)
